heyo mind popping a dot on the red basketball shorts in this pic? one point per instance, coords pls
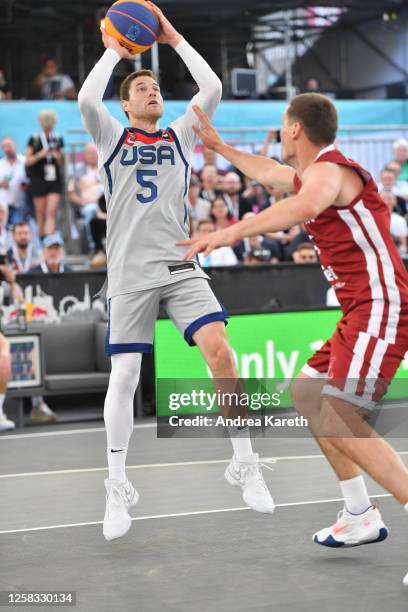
(358, 366)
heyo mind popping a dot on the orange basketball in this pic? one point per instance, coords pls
(133, 24)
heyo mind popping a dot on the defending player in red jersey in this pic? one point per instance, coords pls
(349, 225)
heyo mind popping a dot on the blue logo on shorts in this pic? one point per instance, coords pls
(133, 33)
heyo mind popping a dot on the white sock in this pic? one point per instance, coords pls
(355, 495)
(2, 398)
(118, 411)
(117, 463)
(406, 507)
(241, 442)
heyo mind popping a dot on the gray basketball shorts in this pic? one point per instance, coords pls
(190, 304)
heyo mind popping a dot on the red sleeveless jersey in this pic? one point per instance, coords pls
(359, 257)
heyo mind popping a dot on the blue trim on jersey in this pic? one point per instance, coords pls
(111, 158)
(222, 315)
(180, 150)
(130, 347)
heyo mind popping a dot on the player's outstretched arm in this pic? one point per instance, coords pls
(262, 169)
(104, 129)
(321, 187)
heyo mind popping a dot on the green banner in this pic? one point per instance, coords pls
(269, 347)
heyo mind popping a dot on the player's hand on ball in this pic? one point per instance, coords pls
(207, 244)
(168, 34)
(111, 43)
(206, 132)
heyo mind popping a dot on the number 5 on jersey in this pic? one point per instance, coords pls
(151, 188)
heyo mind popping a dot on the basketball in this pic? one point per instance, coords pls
(133, 25)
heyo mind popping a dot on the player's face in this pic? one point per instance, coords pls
(145, 100)
(288, 151)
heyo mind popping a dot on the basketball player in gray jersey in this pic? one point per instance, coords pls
(146, 172)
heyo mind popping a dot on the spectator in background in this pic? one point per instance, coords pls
(5, 92)
(305, 253)
(44, 163)
(198, 208)
(274, 195)
(13, 181)
(237, 204)
(211, 158)
(257, 256)
(98, 232)
(398, 226)
(209, 181)
(256, 195)
(53, 84)
(52, 256)
(223, 256)
(221, 215)
(257, 243)
(84, 193)
(5, 375)
(52, 262)
(401, 156)
(10, 292)
(21, 255)
(270, 138)
(5, 239)
(312, 85)
(297, 235)
(388, 182)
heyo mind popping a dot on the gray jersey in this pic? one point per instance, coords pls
(146, 177)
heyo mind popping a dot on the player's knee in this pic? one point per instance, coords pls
(220, 360)
(306, 396)
(125, 372)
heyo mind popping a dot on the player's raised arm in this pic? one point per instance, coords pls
(321, 185)
(210, 86)
(266, 171)
(104, 129)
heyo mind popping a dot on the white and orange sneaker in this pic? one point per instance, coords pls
(353, 529)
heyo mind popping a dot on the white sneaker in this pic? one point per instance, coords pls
(405, 581)
(5, 423)
(247, 475)
(120, 497)
(353, 529)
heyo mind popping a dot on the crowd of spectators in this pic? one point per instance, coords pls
(218, 198)
(32, 185)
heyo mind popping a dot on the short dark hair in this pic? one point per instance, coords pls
(305, 246)
(318, 116)
(126, 83)
(124, 91)
(19, 224)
